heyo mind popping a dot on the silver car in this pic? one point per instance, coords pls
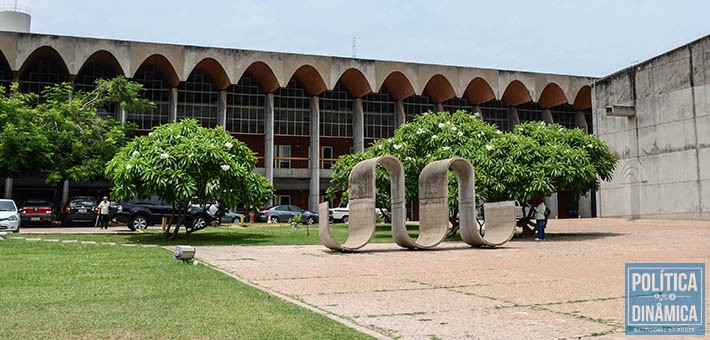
(9, 216)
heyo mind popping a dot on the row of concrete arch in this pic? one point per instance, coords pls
(316, 74)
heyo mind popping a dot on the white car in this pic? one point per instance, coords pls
(342, 213)
(9, 216)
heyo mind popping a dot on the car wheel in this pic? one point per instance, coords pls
(234, 220)
(138, 222)
(345, 219)
(199, 222)
(311, 220)
(274, 219)
(17, 230)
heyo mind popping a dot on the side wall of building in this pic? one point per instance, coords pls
(664, 150)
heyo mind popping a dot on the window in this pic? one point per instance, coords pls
(326, 157)
(282, 156)
(454, 104)
(379, 115)
(198, 99)
(42, 73)
(529, 112)
(336, 113)
(155, 89)
(292, 109)
(85, 81)
(495, 113)
(283, 200)
(416, 105)
(245, 107)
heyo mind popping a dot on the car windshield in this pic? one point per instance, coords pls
(7, 206)
(83, 201)
(37, 204)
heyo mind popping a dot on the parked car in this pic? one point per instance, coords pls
(79, 209)
(232, 217)
(9, 216)
(36, 212)
(342, 212)
(282, 213)
(142, 213)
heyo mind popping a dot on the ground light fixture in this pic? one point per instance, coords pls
(184, 254)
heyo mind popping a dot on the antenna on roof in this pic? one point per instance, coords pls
(354, 47)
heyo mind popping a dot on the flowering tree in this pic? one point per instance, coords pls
(184, 163)
(534, 160)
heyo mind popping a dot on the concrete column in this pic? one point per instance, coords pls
(547, 117)
(399, 115)
(513, 118)
(314, 162)
(439, 107)
(222, 117)
(8, 187)
(269, 138)
(65, 192)
(172, 116)
(477, 108)
(122, 115)
(581, 121)
(358, 126)
(551, 203)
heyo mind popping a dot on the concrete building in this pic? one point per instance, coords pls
(297, 112)
(655, 116)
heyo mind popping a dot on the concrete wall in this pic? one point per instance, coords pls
(664, 150)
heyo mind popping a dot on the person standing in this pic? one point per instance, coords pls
(103, 213)
(540, 219)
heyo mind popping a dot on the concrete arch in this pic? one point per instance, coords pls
(583, 100)
(212, 67)
(105, 57)
(478, 91)
(165, 67)
(439, 89)
(515, 94)
(45, 52)
(551, 96)
(355, 83)
(310, 79)
(264, 75)
(361, 197)
(397, 85)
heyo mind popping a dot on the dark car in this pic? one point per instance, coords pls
(141, 213)
(37, 212)
(282, 213)
(79, 209)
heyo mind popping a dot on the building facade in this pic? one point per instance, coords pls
(298, 112)
(653, 116)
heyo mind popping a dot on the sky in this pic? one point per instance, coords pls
(589, 38)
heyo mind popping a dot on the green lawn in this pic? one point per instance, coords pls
(251, 236)
(61, 291)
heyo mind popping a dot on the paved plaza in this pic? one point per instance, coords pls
(569, 286)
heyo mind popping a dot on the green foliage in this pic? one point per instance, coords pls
(63, 136)
(535, 159)
(296, 218)
(183, 162)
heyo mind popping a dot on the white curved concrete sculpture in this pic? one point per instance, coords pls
(361, 196)
(433, 207)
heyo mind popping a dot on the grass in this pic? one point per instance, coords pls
(55, 290)
(255, 235)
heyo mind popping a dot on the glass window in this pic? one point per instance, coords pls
(198, 99)
(282, 156)
(245, 107)
(416, 105)
(42, 73)
(327, 158)
(85, 81)
(495, 113)
(336, 113)
(155, 89)
(454, 104)
(292, 109)
(379, 114)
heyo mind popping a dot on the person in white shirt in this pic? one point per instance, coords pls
(540, 219)
(103, 213)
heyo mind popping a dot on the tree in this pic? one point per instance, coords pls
(535, 159)
(63, 136)
(184, 163)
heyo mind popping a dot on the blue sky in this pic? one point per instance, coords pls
(593, 37)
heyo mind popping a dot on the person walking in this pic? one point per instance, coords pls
(103, 213)
(540, 219)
